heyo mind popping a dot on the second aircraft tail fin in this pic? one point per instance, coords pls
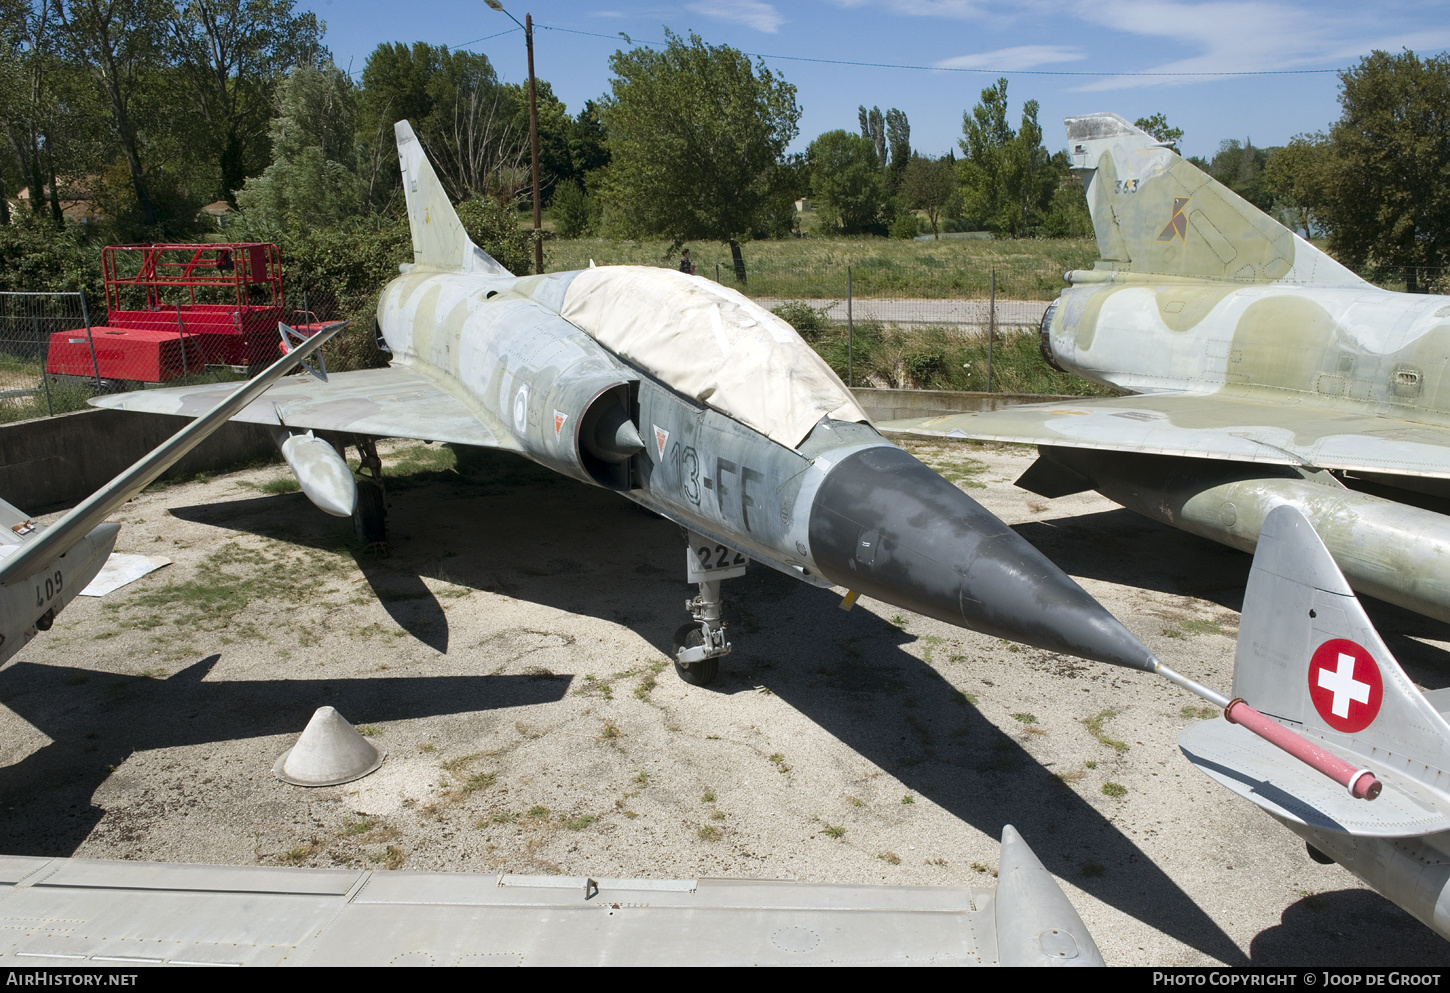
(1153, 212)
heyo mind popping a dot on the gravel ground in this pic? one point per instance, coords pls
(512, 657)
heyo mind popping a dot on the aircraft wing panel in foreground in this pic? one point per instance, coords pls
(139, 913)
(1236, 428)
(395, 402)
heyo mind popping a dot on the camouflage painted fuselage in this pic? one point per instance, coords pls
(1264, 372)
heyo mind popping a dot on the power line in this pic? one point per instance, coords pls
(994, 72)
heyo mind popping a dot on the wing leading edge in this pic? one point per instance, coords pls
(395, 402)
(1238, 428)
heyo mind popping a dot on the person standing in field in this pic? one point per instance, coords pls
(686, 266)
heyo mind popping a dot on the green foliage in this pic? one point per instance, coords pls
(1157, 125)
(312, 182)
(1299, 177)
(34, 256)
(695, 135)
(904, 226)
(1390, 200)
(1067, 213)
(929, 185)
(1241, 169)
(808, 321)
(493, 226)
(846, 183)
(1007, 176)
(573, 210)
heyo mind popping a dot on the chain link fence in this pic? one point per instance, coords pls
(28, 323)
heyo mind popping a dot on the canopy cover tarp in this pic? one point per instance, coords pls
(713, 344)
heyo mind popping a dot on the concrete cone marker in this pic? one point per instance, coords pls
(330, 752)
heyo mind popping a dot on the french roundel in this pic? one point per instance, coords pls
(1345, 685)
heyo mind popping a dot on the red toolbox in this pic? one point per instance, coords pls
(144, 355)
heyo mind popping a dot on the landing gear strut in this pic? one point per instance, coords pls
(700, 644)
(370, 515)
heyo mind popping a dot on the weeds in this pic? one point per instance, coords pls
(837, 831)
(1115, 789)
(1095, 724)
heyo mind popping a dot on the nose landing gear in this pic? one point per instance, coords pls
(700, 644)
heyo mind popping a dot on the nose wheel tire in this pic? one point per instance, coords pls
(700, 673)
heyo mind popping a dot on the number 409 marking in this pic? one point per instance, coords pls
(49, 589)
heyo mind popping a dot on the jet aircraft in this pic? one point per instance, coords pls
(42, 569)
(1310, 658)
(683, 396)
(1266, 373)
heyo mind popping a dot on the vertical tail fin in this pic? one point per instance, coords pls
(1307, 653)
(1155, 213)
(439, 239)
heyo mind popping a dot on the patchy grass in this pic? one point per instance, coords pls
(611, 731)
(1202, 627)
(890, 858)
(908, 799)
(454, 764)
(369, 730)
(1201, 713)
(1025, 718)
(709, 797)
(538, 812)
(280, 485)
(1095, 724)
(778, 760)
(837, 831)
(579, 822)
(1115, 789)
(481, 781)
(708, 832)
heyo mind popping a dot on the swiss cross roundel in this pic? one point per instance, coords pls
(1345, 685)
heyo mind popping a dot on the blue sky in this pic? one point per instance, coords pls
(1103, 43)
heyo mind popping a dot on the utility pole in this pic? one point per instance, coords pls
(528, 27)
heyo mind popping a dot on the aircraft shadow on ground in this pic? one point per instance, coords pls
(1127, 549)
(513, 528)
(96, 720)
(1347, 928)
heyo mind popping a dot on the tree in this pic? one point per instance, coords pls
(230, 54)
(929, 185)
(1159, 128)
(1241, 169)
(846, 181)
(312, 180)
(873, 129)
(898, 144)
(1389, 203)
(474, 129)
(695, 136)
(119, 41)
(1299, 178)
(1008, 178)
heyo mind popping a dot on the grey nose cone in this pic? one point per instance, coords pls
(885, 525)
(329, 753)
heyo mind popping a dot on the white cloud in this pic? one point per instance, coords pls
(751, 13)
(1018, 57)
(1238, 36)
